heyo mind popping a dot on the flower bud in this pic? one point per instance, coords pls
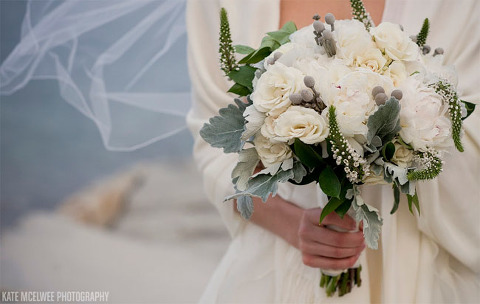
(376, 90)
(426, 49)
(397, 94)
(414, 38)
(309, 81)
(381, 98)
(296, 98)
(277, 55)
(438, 51)
(307, 95)
(318, 26)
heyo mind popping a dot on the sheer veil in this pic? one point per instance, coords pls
(120, 63)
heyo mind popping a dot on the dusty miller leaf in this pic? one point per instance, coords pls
(385, 122)
(394, 172)
(255, 120)
(263, 185)
(225, 130)
(245, 206)
(372, 222)
(247, 162)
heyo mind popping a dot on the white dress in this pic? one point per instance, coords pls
(430, 258)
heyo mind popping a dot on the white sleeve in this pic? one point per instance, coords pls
(249, 20)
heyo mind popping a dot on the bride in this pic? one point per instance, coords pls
(275, 257)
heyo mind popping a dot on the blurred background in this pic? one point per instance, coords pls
(74, 216)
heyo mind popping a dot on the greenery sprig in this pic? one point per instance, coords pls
(360, 13)
(422, 35)
(430, 163)
(228, 62)
(450, 96)
(355, 166)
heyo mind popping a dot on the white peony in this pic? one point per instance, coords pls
(352, 97)
(302, 123)
(395, 42)
(436, 70)
(423, 117)
(305, 37)
(271, 153)
(274, 87)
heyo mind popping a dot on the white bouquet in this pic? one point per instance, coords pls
(341, 103)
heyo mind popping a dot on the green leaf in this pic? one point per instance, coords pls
(256, 56)
(331, 206)
(247, 162)
(329, 182)
(470, 108)
(343, 208)
(245, 206)
(396, 196)
(388, 151)
(243, 49)
(239, 90)
(306, 154)
(225, 130)
(270, 42)
(281, 36)
(413, 200)
(385, 122)
(243, 76)
(289, 27)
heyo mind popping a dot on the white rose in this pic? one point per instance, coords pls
(370, 58)
(271, 153)
(395, 42)
(423, 117)
(373, 179)
(274, 87)
(268, 128)
(397, 72)
(352, 39)
(403, 156)
(352, 97)
(302, 123)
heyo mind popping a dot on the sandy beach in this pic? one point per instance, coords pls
(161, 245)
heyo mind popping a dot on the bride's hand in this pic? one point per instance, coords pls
(325, 248)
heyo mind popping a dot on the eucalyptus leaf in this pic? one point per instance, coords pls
(225, 130)
(247, 162)
(329, 182)
(385, 122)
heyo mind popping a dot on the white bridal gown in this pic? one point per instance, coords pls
(431, 258)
